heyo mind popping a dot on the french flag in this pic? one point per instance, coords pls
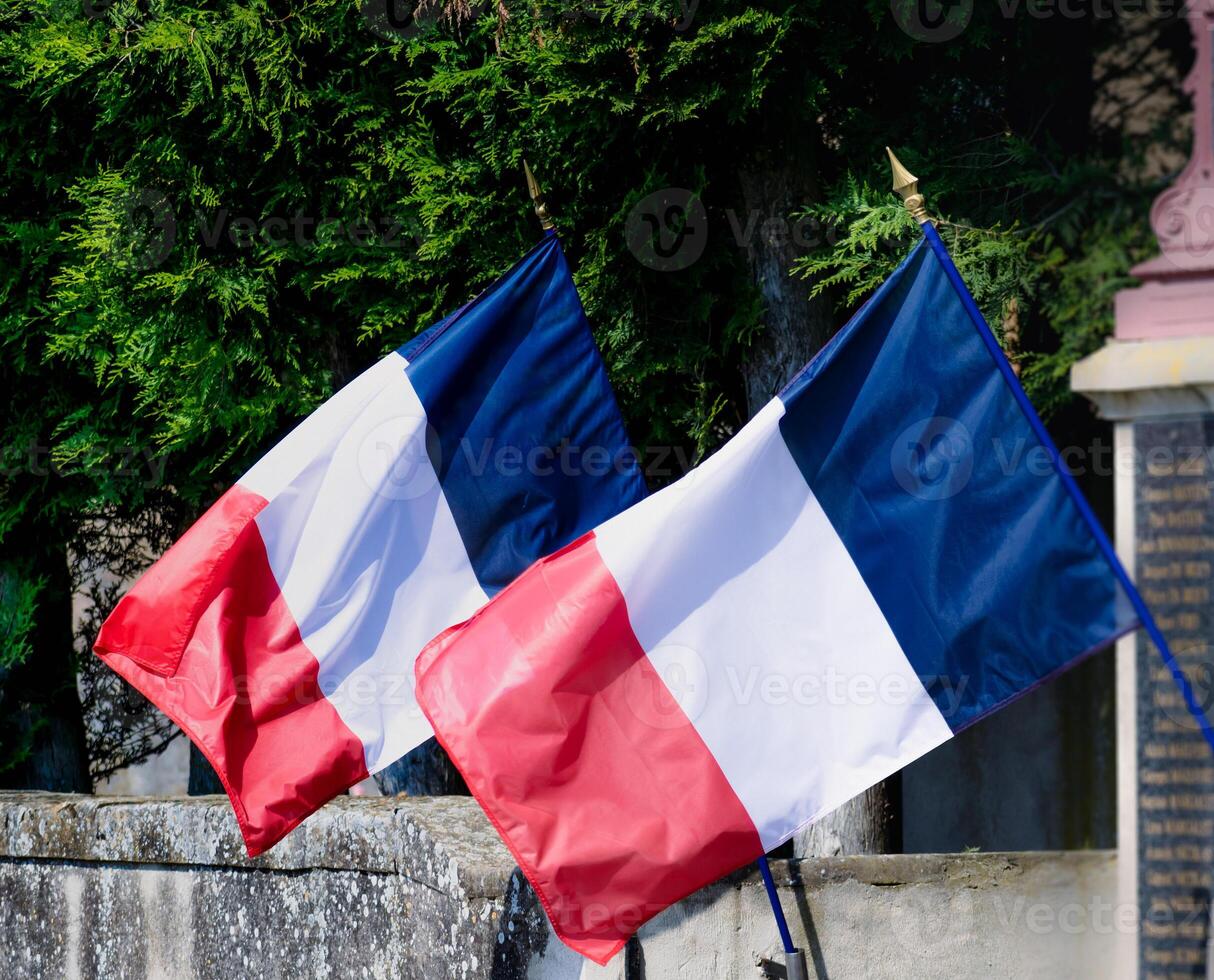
(280, 631)
(875, 562)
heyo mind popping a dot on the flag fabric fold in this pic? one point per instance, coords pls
(878, 559)
(280, 631)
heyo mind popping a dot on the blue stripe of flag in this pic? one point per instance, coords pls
(924, 462)
(527, 438)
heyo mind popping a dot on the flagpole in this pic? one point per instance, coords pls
(537, 199)
(906, 186)
(794, 958)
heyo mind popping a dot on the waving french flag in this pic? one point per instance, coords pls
(876, 561)
(280, 631)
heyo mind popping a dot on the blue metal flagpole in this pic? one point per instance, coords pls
(907, 186)
(776, 907)
(794, 958)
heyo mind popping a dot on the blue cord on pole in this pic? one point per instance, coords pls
(1102, 539)
(776, 908)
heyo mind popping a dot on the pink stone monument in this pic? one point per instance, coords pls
(1177, 295)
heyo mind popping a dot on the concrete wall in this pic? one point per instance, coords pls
(118, 888)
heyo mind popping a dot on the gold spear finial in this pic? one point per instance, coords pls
(906, 186)
(537, 198)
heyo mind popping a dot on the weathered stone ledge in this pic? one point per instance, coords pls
(350, 834)
(422, 888)
(378, 835)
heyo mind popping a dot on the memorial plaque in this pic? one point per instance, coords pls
(1174, 516)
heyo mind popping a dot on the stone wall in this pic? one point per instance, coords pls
(422, 888)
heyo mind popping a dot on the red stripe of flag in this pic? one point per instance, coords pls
(240, 681)
(608, 798)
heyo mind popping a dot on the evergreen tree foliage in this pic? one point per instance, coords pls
(214, 212)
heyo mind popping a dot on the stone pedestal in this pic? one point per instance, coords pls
(1159, 396)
